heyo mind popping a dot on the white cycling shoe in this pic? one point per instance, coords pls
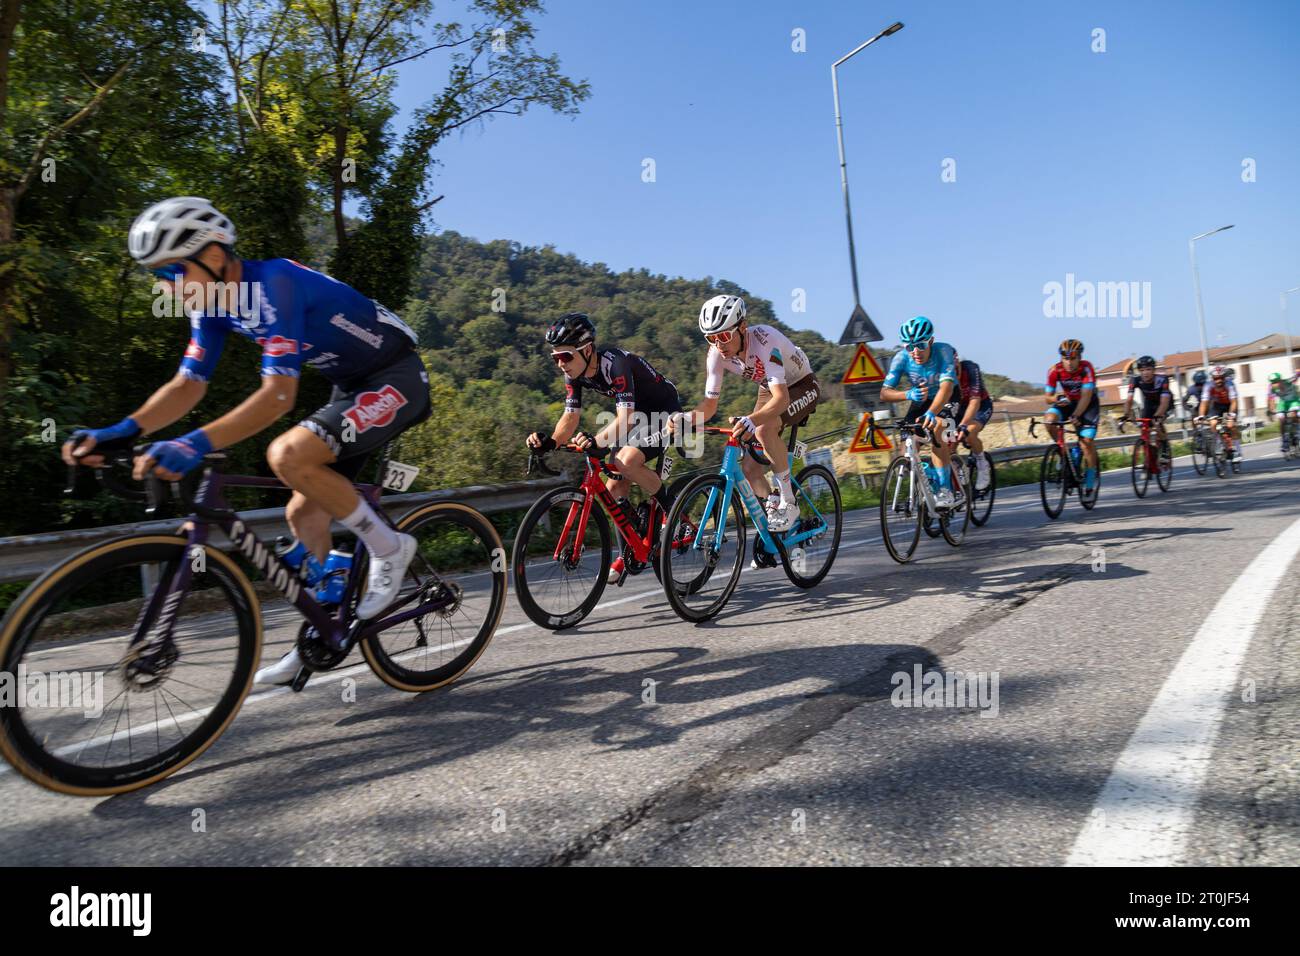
(282, 671)
(384, 578)
(943, 498)
(782, 516)
(981, 473)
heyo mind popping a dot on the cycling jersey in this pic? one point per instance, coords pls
(1284, 391)
(1192, 399)
(970, 382)
(1152, 390)
(940, 367)
(767, 357)
(1223, 394)
(630, 379)
(1073, 383)
(300, 317)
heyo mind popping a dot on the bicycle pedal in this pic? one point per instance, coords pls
(300, 679)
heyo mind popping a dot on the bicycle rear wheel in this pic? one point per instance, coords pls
(1141, 476)
(900, 511)
(461, 560)
(559, 592)
(982, 501)
(1051, 482)
(701, 566)
(106, 713)
(810, 560)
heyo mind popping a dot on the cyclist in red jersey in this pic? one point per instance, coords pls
(1078, 401)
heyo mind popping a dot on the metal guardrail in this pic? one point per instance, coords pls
(25, 556)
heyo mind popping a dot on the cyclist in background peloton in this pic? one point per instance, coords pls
(931, 367)
(1156, 398)
(1220, 401)
(1077, 381)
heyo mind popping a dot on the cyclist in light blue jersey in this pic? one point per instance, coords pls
(931, 369)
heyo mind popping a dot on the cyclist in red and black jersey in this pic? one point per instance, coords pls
(1077, 381)
(1220, 401)
(643, 401)
(977, 408)
(1156, 397)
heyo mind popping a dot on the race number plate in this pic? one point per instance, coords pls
(399, 477)
(800, 449)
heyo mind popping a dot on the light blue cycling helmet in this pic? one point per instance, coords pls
(916, 331)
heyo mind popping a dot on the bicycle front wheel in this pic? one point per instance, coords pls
(1165, 474)
(1140, 473)
(818, 494)
(104, 705)
(461, 565)
(702, 548)
(560, 568)
(1051, 482)
(954, 522)
(900, 511)
(1200, 453)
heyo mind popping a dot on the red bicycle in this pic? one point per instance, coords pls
(1061, 472)
(1149, 459)
(563, 550)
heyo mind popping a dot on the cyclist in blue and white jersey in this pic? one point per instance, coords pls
(300, 318)
(931, 368)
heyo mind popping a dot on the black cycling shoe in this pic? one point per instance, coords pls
(763, 558)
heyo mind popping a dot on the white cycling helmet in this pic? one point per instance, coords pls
(721, 313)
(176, 229)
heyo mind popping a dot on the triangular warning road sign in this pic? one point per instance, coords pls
(879, 440)
(864, 368)
(860, 328)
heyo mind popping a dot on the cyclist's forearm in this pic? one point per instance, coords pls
(703, 411)
(565, 427)
(942, 396)
(256, 413)
(169, 404)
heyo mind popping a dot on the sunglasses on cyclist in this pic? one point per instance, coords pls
(1070, 355)
(562, 358)
(720, 338)
(919, 346)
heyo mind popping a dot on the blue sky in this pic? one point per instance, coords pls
(1067, 161)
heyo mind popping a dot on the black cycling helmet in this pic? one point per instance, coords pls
(572, 330)
(1146, 361)
(1199, 378)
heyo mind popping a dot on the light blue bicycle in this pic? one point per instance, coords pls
(700, 540)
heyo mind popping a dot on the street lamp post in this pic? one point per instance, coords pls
(1196, 284)
(839, 133)
(1286, 330)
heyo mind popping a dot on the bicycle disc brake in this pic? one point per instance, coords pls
(148, 663)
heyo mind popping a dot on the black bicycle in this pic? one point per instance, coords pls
(153, 639)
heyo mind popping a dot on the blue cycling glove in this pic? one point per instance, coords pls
(928, 418)
(181, 455)
(125, 429)
(916, 394)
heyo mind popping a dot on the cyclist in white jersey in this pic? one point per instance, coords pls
(788, 392)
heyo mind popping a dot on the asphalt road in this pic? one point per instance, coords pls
(769, 736)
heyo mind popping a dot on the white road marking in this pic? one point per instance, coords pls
(1146, 808)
